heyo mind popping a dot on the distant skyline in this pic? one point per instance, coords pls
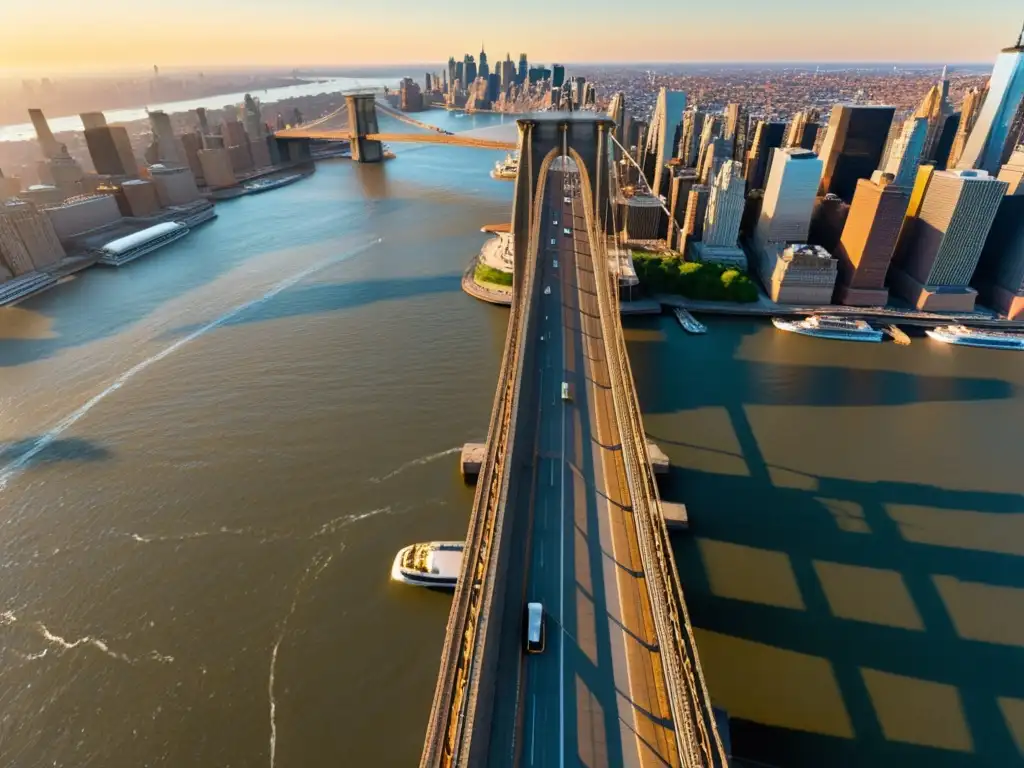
(61, 36)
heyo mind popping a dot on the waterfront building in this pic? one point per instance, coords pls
(192, 143)
(174, 186)
(690, 133)
(767, 137)
(906, 151)
(789, 196)
(82, 214)
(27, 239)
(721, 230)
(42, 195)
(799, 274)
(661, 138)
(168, 148)
(259, 151)
(935, 109)
(217, 168)
(111, 150)
(827, 222)
(138, 198)
(990, 134)
(47, 143)
(643, 216)
(1000, 273)
(868, 240)
(66, 173)
(945, 239)
(493, 87)
(484, 71)
(9, 187)
(1012, 172)
(252, 118)
(853, 145)
(411, 98)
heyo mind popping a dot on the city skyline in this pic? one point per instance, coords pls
(319, 34)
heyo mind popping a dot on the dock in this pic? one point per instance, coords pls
(473, 455)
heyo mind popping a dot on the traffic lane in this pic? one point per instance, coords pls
(642, 699)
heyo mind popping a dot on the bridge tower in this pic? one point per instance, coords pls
(362, 121)
(542, 138)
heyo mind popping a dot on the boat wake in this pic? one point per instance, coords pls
(22, 460)
(416, 463)
(316, 566)
(55, 641)
(335, 525)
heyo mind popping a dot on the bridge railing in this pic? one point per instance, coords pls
(696, 732)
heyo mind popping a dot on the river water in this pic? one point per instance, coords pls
(209, 458)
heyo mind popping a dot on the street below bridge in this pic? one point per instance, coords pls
(596, 695)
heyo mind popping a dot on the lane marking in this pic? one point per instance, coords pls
(533, 729)
(561, 595)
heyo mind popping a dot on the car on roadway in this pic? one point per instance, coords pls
(534, 628)
(567, 231)
(568, 199)
(566, 394)
(554, 262)
(552, 241)
(547, 290)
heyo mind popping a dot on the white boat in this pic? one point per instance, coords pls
(432, 564)
(508, 169)
(830, 327)
(976, 337)
(688, 321)
(126, 249)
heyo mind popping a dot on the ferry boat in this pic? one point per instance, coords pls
(265, 185)
(433, 564)
(830, 327)
(126, 249)
(507, 170)
(976, 337)
(688, 321)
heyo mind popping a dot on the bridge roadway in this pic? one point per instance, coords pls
(596, 695)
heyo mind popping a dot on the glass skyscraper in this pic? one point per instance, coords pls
(991, 131)
(853, 147)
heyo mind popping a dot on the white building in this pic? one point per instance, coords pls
(789, 196)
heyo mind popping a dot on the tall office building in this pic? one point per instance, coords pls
(868, 240)
(1012, 172)
(39, 242)
(936, 110)
(557, 75)
(799, 274)
(906, 151)
(715, 154)
(683, 181)
(47, 143)
(468, 70)
(1000, 274)
(93, 120)
(253, 118)
(988, 138)
(696, 212)
(689, 141)
(508, 73)
(789, 196)
(485, 69)
(460, 74)
(661, 138)
(946, 239)
(111, 151)
(523, 67)
(734, 128)
(169, 150)
(722, 220)
(853, 146)
(767, 138)
(969, 110)
(710, 131)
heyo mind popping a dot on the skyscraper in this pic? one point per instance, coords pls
(111, 151)
(451, 69)
(968, 116)
(789, 196)
(47, 143)
(767, 138)
(946, 239)
(169, 149)
(508, 73)
(853, 146)
(936, 110)
(696, 212)
(469, 70)
(689, 141)
(683, 181)
(523, 67)
(557, 75)
(1012, 172)
(485, 70)
(661, 138)
(987, 140)
(734, 130)
(906, 151)
(869, 239)
(1000, 274)
(93, 120)
(722, 219)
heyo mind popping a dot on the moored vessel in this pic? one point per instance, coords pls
(830, 327)
(976, 337)
(265, 185)
(507, 170)
(430, 564)
(688, 321)
(126, 249)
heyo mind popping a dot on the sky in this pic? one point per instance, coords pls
(60, 36)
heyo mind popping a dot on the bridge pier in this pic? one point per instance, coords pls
(362, 121)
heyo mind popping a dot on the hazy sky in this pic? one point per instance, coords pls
(91, 35)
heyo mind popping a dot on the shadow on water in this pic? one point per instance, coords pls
(845, 622)
(67, 449)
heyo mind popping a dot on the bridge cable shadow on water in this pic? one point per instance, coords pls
(846, 622)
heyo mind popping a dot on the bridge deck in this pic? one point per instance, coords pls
(596, 695)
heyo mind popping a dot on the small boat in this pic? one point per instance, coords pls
(897, 334)
(976, 337)
(688, 321)
(265, 185)
(830, 327)
(507, 170)
(433, 564)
